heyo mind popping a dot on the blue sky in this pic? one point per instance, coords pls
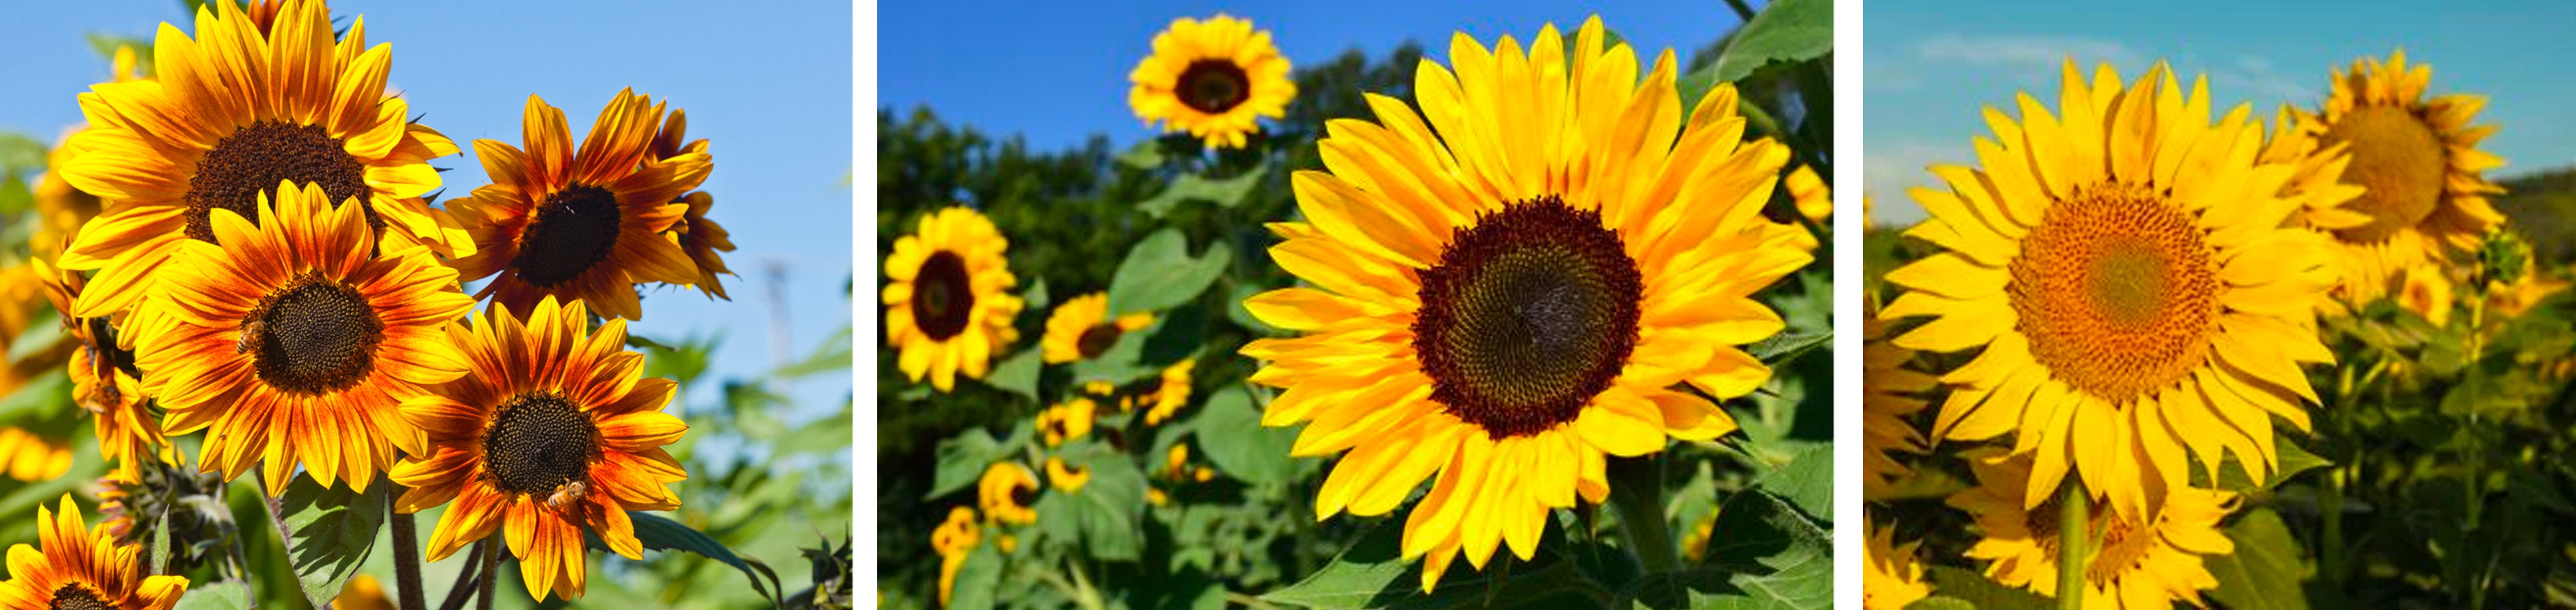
(770, 87)
(1932, 66)
(1056, 72)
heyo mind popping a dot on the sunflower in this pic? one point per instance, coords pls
(59, 207)
(294, 344)
(105, 380)
(1067, 422)
(2133, 297)
(2518, 297)
(79, 567)
(2419, 160)
(1212, 78)
(1893, 579)
(256, 99)
(580, 224)
(1007, 492)
(363, 593)
(954, 539)
(555, 433)
(1080, 329)
(33, 458)
(698, 236)
(2135, 563)
(1511, 302)
(1171, 393)
(1814, 200)
(948, 297)
(2426, 290)
(1066, 477)
(1890, 393)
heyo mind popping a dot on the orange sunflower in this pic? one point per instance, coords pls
(555, 433)
(580, 224)
(80, 567)
(105, 381)
(699, 236)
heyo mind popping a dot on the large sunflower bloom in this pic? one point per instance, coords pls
(1893, 578)
(2418, 158)
(105, 381)
(2134, 296)
(295, 344)
(80, 567)
(2135, 563)
(1080, 329)
(1213, 79)
(255, 99)
(580, 225)
(948, 297)
(554, 433)
(698, 236)
(1889, 394)
(1509, 303)
(60, 208)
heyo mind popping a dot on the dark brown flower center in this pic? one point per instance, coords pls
(1529, 314)
(1213, 86)
(943, 296)
(2117, 292)
(1097, 339)
(77, 597)
(574, 230)
(255, 158)
(2402, 163)
(538, 442)
(317, 337)
(1024, 493)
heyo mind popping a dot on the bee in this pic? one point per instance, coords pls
(567, 494)
(249, 336)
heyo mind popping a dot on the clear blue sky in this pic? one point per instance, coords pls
(1932, 65)
(1056, 72)
(768, 86)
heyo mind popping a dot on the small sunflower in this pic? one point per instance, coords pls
(363, 593)
(2133, 298)
(2426, 290)
(580, 224)
(1171, 393)
(1067, 422)
(948, 297)
(33, 458)
(1080, 329)
(1505, 305)
(1890, 392)
(2419, 159)
(1213, 79)
(1066, 477)
(105, 380)
(698, 235)
(954, 539)
(555, 433)
(2135, 563)
(1813, 199)
(1007, 492)
(1893, 579)
(80, 567)
(2520, 296)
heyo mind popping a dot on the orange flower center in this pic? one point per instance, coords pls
(538, 442)
(574, 230)
(1213, 86)
(1529, 314)
(315, 337)
(2399, 158)
(2117, 292)
(256, 157)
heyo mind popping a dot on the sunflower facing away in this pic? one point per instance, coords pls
(1080, 329)
(2134, 297)
(1890, 393)
(294, 344)
(948, 297)
(80, 567)
(253, 100)
(700, 237)
(2419, 160)
(1510, 302)
(554, 433)
(1213, 79)
(580, 224)
(2134, 565)
(1893, 578)
(1007, 492)
(954, 539)
(105, 381)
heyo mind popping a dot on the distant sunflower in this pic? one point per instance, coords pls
(698, 235)
(2133, 297)
(32, 458)
(294, 344)
(80, 567)
(1508, 304)
(1890, 392)
(953, 539)
(2135, 563)
(105, 381)
(555, 433)
(1893, 579)
(1007, 492)
(1814, 200)
(1171, 393)
(2418, 158)
(1213, 79)
(580, 224)
(948, 297)
(1067, 422)
(2426, 290)
(1066, 477)
(2513, 299)
(253, 100)
(1080, 329)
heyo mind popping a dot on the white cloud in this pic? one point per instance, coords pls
(1887, 170)
(2037, 52)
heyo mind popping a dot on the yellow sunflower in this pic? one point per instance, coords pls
(1066, 477)
(948, 297)
(1814, 200)
(2419, 160)
(953, 539)
(1893, 579)
(1510, 302)
(554, 433)
(1890, 393)
(2135, 563)
(1213, 79)
(2133, 297)
(253, 100)
(1007, 491)
(59, 207)
(32, 458)
(580, 224)
(294, 344)
(80, 567)
(1171, 393)
(1067, 422)
(2426, 290)
(105, 380)
(1080, 329)
(363, 593)
(2521, 295)
(700, 237)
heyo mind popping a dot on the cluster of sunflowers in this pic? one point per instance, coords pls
(242, 254)
(2118, 308)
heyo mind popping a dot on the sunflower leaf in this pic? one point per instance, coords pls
(332, 530)
(1807, 481)
(2265, 570)
(1374, 574)
(978, 580)
(1782, 348)
(1018, 374)
(1224, 192)
(662, 534)
(962, 459)
(1249, 451)
(1964, 585)
(1761, 554)
(1106, 507)
(1160, 274)
(224, 595)
(1785, 31)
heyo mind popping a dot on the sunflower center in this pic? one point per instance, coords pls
(2116, 291)
(1213, 86)
(1097, 339)
(1529, 314)
(574, 230)
(317, 337)
(2401, 161)
(539, 441)
(76, 597)
(942, 297)
(1024, 493)
(2123, 546)
(256, 157)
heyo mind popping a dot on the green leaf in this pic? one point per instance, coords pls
(661, 534)
(1106, 507)
(832, 355)
(1779, 349)
(2293, 460)
(43, 332)
(221, 595)
(1373, 574)
(1938, 602)
(1035, 298)
(1224, 192)
(2265, 570)
(1977, 591)
(977, 581)
(1807, 481)
(1018, 374)
(962, 459)
(14, 196)
(1144, 155)
(1245, 449)
(20, 155)
(1761, 554)
(1159, 273)
(1785, 31)
(161, 542)
(333, 530)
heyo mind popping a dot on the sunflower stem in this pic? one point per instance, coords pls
(463, 589)
(1741, 11)
(491, 572)
(2074, 530)
(406, 554)
(1637, 492)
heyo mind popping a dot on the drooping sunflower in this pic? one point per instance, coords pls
(1213, 79)
(1067, 477)
(1893, 579)
(295, 344)
(1080, 329)
(556, 432)
(953, 539)
(255, 99)
(580, 224)
(1507, 304)
(2420, 161)
(80, 567)
(2133, 297)
(1890, 392)
(105, 380)
(948, 297)
(2135, 563)
(700, 237)
(1007, 492)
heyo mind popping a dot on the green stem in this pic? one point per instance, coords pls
(1741, 11)
(491, 571)
(406, 555)
(1638, 494)
(2074, 531)
(2332, 504)
(466, 581)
